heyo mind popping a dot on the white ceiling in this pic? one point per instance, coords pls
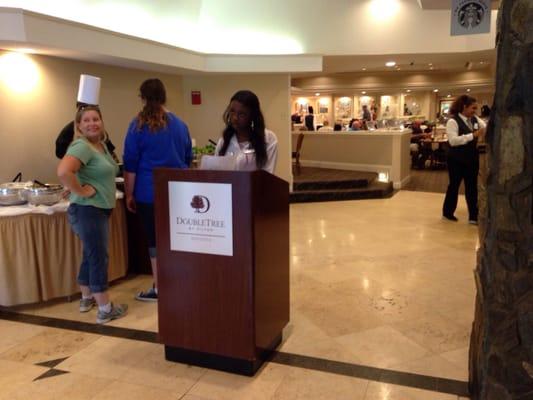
(411, 62)
(335, 37)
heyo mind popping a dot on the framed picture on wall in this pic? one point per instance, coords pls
(444, 108)
(323, 110)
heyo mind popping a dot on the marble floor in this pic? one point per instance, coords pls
(383, 283)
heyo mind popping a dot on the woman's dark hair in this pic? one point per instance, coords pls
(485, 111)
(257, 126)
(152, 91)
(460, 103)
(310, 110)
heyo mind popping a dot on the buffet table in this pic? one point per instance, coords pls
(40, 255)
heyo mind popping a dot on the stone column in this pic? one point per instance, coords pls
(501, 346)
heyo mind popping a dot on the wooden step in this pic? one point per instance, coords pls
(376, 190)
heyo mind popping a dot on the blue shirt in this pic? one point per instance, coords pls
(144, 150)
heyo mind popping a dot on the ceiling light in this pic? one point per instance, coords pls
(408, 90)
(390, 63)
(435, 90)
(363, 92)
(364, 69)
(468, 90)
(449, 96)
(317, 94)
(430, 64)
(384, 10)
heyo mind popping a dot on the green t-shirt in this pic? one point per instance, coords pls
(98, 170)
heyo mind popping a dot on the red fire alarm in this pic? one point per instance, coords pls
(196, 97)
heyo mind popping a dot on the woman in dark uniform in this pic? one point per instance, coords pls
(463, 130)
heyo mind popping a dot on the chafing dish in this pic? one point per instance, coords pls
(12, 196)
(47, 195)
(14, 193)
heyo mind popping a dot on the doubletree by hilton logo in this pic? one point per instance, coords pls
(200, 204)
(470, 15)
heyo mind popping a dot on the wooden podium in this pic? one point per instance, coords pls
(224, 312)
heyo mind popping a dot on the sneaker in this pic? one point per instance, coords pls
(149, 295)
(87, 304)
(450, 217)
(116, 312)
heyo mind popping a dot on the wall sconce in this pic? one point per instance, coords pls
(18, 72)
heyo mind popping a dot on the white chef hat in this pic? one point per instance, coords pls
(89, 90)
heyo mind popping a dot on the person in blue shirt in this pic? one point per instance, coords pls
(155, 138)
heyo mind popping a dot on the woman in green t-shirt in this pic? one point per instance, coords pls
(88, 171)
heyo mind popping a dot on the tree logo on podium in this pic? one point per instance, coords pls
(200, 204)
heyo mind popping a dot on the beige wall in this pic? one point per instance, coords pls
(205, 120)
(31, 122)
(379, 151)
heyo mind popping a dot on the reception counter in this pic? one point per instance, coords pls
(40, 256)
(382, 151)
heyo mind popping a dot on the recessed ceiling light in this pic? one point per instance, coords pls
(468, 90)
(317, 94)
(390, 63)
(363, 92)
(364, 69)
(430, 64)
(435, 90)
(449, 96)
(408, 90)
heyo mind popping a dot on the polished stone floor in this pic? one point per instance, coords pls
(379, 283)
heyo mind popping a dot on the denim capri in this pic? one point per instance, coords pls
(91, 224)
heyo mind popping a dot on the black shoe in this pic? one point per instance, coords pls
(149, 295)
(450, 217)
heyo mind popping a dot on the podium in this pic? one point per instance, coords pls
(223, 266)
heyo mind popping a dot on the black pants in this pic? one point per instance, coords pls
(457, 171)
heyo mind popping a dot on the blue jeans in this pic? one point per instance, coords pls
(91, 224)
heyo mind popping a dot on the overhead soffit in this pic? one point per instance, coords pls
(62, 38)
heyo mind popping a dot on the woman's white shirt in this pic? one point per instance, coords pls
(452, 130)
(245, 157)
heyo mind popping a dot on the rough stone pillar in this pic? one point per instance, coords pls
(501, 345)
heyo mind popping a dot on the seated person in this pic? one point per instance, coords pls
(296, 118)
(417, 135)
(337, 126)
(325, 127)
(356, 125)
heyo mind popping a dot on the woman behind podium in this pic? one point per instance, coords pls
(245, 135)
(155, 138)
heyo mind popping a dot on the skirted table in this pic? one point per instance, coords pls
(40, 255)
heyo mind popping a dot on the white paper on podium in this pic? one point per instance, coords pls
(220, 163)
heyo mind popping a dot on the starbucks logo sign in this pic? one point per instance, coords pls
(470, 15)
